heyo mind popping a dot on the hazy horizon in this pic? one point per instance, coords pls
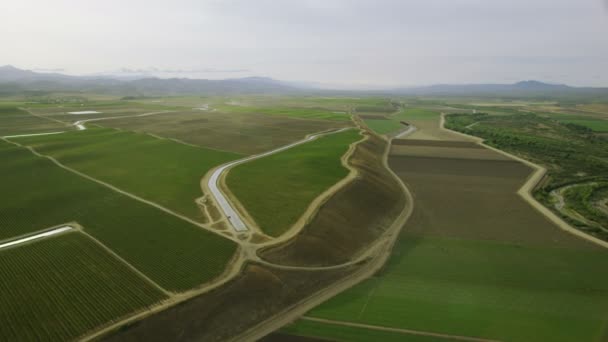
(340, 43)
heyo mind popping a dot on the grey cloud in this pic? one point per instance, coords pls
(330, 41)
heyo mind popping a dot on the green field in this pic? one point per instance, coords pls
(393, 123)
(276, 190)
(171, 251)
(298, 112)
(484, 289)
(14, 121)
(596, 125)
(352, 334)
(244, 133)
(158, 170)
(62, 287)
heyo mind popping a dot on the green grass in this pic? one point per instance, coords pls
(483, 289)
(393, 124)
(352, 334)
(417, 114)
(305, 113)
(14, 121)
(158, 170)
(60, 288)
(276, 190)
(596, 125)
(38, 194)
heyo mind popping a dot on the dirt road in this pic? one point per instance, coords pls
(223, 202)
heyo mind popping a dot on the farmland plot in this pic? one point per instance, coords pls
(14, 121)
(60, 288)
(475, 260)
(243, 133)
(158, 170)
(174, 253)
(277, 189)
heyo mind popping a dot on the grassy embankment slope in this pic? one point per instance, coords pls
(353, 218)
(172, 252)
(276, 190)
(59, 288)
(158, 170)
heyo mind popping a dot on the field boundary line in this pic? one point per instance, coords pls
(237, 265)
(397, 330)
(128, 194)
(128, 264)
(525, 191)
(375, 264)
(80, 124)
(31, 135)
(44, 117)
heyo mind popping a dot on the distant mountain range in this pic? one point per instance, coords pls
(14, 81)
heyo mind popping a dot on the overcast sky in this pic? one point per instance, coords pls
(342, 42)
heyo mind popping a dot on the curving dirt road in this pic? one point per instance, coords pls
(224, 204)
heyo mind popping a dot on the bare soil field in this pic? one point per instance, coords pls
(352, 218)
(446, 152)
(248, 133)
(258, 293)
(468, 198)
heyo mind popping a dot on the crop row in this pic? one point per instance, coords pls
(174, 253)
(59, 288)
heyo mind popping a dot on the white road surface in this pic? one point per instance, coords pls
(36, 237)
(232, 215)
(85, 112)
(411, 129)
(30, 135)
